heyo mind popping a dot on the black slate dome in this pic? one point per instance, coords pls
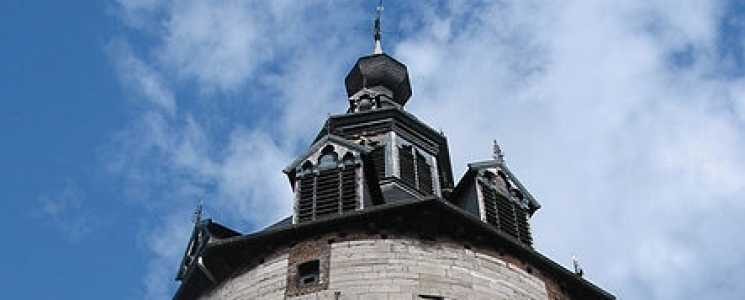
(380, 70)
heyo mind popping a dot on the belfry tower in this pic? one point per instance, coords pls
(377, 215)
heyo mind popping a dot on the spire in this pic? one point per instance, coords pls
(577, 269)
(198, 212)
(386, 77)
(376, 30)
(497, 153)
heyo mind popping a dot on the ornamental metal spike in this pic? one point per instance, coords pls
(198, 212)
(376, 30)
(497, 153)
(577, 269)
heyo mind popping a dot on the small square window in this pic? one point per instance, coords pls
(308, 273)
(308, 266)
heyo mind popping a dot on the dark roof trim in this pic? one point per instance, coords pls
(192, 273)
(382, 113)
(431, 215)
(476, 166)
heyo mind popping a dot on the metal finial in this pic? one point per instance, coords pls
(198, 212)
(376, 30)
(577, 269)
(497, 155)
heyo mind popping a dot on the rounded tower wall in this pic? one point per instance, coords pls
(393, 267)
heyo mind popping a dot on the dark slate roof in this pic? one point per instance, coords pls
(384, 113)
(380, 70)
(473, 168)
(220, 231)
(204, 231)
(428, 218)
(393, 116)
(284, 222)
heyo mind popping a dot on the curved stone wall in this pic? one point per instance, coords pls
(391, 268)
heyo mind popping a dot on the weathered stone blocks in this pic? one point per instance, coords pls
(391, 268)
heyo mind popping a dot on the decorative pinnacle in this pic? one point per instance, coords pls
(497, 155)
(198, 212)
(376, 30)
(577, 269)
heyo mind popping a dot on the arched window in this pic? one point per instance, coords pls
(328, 158)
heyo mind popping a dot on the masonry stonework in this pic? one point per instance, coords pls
(392, 268)
(265, 281)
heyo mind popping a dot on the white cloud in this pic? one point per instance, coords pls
(67, 212)
(167, 241)
(217, 42)
(634, 155)
(623, 150)
(252, 185)
(145, 83)
(179, 149)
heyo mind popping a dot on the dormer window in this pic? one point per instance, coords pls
(504, 211)
(327, 188)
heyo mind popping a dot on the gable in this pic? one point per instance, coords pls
(340, 145)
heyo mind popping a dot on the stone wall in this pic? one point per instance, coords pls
(391, 268)
(265, 281)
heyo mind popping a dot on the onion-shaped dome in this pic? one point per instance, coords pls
(380, 70)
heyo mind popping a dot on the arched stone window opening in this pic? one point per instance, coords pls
(328, 158)
(348, 159)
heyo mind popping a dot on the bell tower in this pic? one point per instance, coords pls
(377, 214)
(379, 152)
(395, 156)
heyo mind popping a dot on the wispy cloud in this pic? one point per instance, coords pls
(146, 84)
(177, 149)
(166, 241)
(617, 115)
(630, 153)
(66, 211)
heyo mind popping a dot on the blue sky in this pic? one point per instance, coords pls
(626, 120)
